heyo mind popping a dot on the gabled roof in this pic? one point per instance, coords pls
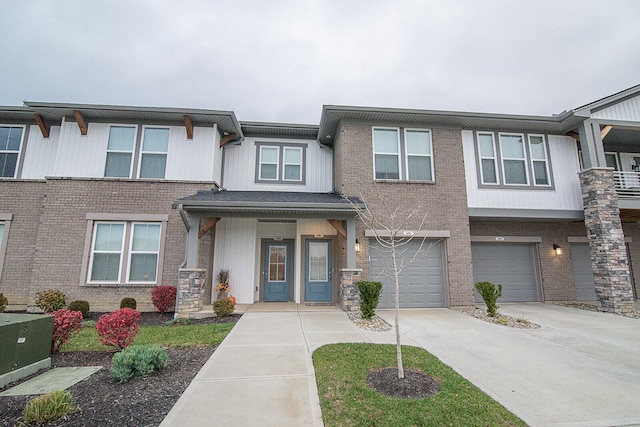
(226, 120)
(588, 109)
(256, 203)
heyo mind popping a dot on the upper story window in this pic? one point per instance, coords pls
(120, 151)
(10, 141)
(404, 155)
(280, 163)
(516, 160)
(153, 157)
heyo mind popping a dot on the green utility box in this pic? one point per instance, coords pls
(25, 340)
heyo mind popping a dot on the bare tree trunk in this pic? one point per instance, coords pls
(397, 292)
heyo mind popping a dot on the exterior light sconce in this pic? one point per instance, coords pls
(557, 249)
(357, 246)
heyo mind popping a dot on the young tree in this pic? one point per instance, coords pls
(388, 224)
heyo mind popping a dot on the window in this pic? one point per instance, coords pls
(539, 161)
(487, 152)
(514, 163)
(127, 250)
(419, 156)
(120, 151)
(386, 152)
(280, 163)
(612, 160)
(153, 157)
(10, 141)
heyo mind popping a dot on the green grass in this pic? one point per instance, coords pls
(347, 400)
(165, 336)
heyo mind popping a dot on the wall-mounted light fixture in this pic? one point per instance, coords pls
(558, 249)
(357, 246)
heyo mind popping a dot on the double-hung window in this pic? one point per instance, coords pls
(153, 156)
(280, 163)
(514, 161)
(10, 141)
(488, 164)
(120, 151)
(124, 252)
(539, 161)
(419, 157)
(386, 153)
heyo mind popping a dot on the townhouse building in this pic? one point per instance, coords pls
(105, 202)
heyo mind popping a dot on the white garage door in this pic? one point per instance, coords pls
(583, 272)
(511, 264)
(421, 283)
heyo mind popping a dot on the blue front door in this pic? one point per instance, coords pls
(317, 283)
(277, 271)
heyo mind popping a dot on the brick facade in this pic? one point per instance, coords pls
(445, 200)
(55, 221)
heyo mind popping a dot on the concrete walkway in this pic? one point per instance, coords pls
(580, 368)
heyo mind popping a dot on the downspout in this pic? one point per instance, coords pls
(183, 215)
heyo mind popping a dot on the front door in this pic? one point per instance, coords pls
(277, 271)
(317, 286)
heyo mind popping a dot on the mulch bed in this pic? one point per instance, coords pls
(103, 402)
(414, 385)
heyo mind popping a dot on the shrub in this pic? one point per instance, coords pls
(48, 407)
(66, 323)
(3, 302)
(369, 297)
(137, 361)
(50, 300)
(223, 307)
(163, 297)
(490, 296)
(128, 303)
(118, 329)
(81, 306)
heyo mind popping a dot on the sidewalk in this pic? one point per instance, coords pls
(262, 373)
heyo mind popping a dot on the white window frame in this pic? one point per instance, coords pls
(285, 164)
(132, 152)
(143, 152)
(120, 252)
(93, 219)
(407, 154)
(22, 136)
(132, 226)
(398, 154)
(494, 159)
(524, 159)
(277, 163)
(545, 160)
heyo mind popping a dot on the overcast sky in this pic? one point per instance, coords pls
(271, 60)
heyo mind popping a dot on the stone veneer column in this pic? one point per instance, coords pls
(191, 282)
(349, 296)
(606, 241)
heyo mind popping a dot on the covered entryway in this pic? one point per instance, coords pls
(513, 265)
(583, 272)
(421, 283)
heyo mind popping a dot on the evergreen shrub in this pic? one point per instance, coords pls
(369, 297)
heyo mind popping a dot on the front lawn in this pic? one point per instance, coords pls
(210, 334)
(347, 400)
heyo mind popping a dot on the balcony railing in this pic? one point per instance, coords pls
(627, 184)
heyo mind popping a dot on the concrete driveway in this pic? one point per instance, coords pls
(580, 368)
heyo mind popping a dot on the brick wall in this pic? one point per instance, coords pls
(22, 199)
(63, 228)
(445, 201)
(556, 271)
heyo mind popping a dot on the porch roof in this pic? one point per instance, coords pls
(281, 203)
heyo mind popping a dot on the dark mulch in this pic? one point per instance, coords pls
(103, 402)
(414, 385)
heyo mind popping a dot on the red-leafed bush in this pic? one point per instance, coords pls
(163, 297)
(66, 323)
(118, 329)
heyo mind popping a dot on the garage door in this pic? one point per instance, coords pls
(512, 264)
(583, 272)
(421, 283)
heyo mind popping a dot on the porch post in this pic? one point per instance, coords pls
(351, 243)
(192, 241)
(591, 145)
